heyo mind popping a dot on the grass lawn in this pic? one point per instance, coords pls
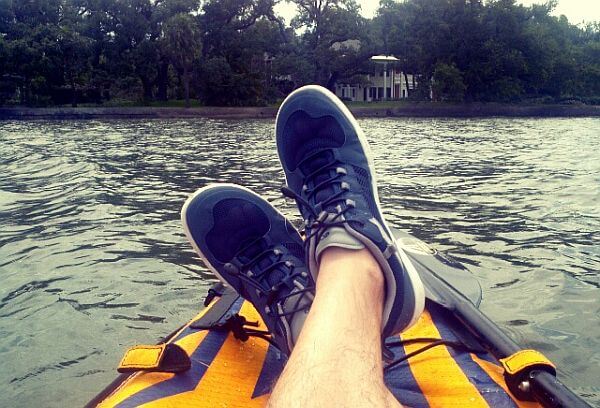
(381, 104)
(374, 105)
(173, 103)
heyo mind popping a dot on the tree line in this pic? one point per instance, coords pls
(240, 52)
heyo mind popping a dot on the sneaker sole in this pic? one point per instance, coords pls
(197, 249)
(186, 228)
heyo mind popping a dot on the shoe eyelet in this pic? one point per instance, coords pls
(231, 268)
(345, 186)
(341, 170)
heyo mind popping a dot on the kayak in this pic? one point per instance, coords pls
(454, 356)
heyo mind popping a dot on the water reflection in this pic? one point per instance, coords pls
(93, 259)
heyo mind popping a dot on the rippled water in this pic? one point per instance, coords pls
(93, 258)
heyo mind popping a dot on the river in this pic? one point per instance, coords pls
(93, 258)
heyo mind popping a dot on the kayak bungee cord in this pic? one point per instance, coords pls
(174, 369)
(238, 326)
(433, 342)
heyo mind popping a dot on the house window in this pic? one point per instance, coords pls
(353, 93)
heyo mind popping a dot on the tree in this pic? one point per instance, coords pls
(503, 51)
(448, 83)
(74, 49)
(182, 34)
(327, 23)
(164, 11)
(60, 51)
(243, 37)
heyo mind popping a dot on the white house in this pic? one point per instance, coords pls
(386, 78)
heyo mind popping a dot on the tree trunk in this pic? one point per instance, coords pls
(147, 88)
(22, 94)
(186, 86)
(406, 81)
(97, 53)
(73, 94)
(163, 80)
(317, 77)
(28, 94)
(332, 81)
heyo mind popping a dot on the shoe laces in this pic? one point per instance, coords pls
(324, 210)
(256, 273)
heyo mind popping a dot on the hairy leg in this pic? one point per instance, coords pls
(337, 359)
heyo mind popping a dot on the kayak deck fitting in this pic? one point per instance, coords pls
(223, 358)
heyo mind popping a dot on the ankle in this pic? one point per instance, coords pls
(337, 262)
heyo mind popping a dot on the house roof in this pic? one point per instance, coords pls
(384, 58)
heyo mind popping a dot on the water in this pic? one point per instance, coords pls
(93, 258)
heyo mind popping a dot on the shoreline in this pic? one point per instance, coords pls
(423, 110)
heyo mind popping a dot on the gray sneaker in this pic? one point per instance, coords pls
(329, 172)
(253, 248)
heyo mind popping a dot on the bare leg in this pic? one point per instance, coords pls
(337, 359)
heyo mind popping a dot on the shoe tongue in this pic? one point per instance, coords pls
(315, 162)
(251, 247)
(252, 250)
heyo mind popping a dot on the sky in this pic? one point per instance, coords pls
(577, 11)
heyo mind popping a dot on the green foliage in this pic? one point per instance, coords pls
(503, 51)
(221, 86)
(216, 81)
(239, 52)
(182, 44)
(335, 41)
(448, 83)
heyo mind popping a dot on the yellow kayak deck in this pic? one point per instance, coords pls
(227, 372)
